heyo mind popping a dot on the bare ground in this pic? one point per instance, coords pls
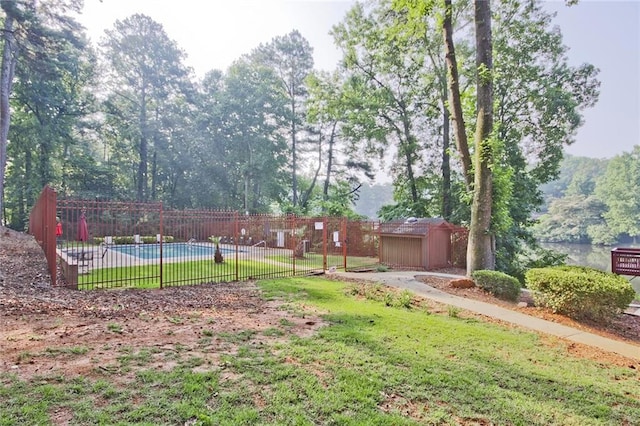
(47, 331)
(56, 331)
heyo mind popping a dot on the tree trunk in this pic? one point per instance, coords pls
(480, 252)
(408, 154)
(154, 172)
(446, 164)
(142, 150)
(6, 83)
(327, 180)
(455, 103)
(294, 154)
(304, 201)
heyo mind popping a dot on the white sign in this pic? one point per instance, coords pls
(319, 226)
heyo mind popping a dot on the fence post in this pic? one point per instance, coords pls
(379, 242)
(50, 233)
(324, 244)
(345, 239)
(160, 242)
(42, 225)
(235, 239)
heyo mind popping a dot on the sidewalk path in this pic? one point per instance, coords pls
(406, 280)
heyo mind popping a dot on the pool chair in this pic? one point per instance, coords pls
(85, 258)
(104, 246)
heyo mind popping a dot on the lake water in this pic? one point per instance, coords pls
(587, 255)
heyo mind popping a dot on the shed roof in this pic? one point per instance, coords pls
(413, 226)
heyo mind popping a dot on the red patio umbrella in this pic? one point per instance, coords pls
(83, 230)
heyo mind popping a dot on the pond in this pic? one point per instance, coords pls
(589, 255)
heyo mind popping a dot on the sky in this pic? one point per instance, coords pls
(214, 33)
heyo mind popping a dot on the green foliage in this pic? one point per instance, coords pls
(145, 114)
(580, 292)
(49, 102)
(497, 283)
(618, 188)
(578, 176)
(571, 219)
(533, 79)
(382, 268)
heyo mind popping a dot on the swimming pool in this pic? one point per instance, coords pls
(169, 250)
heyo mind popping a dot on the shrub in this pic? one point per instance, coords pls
(499, 284)
(580, 292)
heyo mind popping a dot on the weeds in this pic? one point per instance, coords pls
(453, 311)
(115, 328)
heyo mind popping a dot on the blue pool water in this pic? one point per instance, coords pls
(169, 250)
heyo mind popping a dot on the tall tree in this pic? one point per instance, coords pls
(146, 72)
(454, 97)
(256, 152)
(7, 70)
(291, 56)
(393, 96)
(45, 53)
(31, 31)
(539, 99)
(480, 250)
(344, 164)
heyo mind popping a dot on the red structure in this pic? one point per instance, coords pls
(625, 261)
(109, 244)
(42, 225)
(426, 243)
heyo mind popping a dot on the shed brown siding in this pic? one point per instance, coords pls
(406, 251)
(439, 248)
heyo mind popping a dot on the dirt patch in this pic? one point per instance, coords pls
(60, 332)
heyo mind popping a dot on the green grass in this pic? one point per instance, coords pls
(199, 271)
(374, 364)
(315, 260)
(193, 272)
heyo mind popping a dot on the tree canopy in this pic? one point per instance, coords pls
(129, 120)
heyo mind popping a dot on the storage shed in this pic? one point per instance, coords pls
(425, 243)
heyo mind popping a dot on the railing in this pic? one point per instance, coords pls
(132, 244)
(117, 244)
(625, 261)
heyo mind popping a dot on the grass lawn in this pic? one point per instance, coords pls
(192, 272)
(314, 260)
(382, 360)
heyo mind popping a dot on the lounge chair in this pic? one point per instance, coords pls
(85, 258)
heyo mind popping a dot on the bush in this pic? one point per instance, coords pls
(580, 292)
(499, 284)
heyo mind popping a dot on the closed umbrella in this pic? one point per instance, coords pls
(83, 230)
(83, 235)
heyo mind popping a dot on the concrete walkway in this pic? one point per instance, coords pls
(406, 280)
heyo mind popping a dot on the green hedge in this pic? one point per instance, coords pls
(580, 292)
(128, 239)
(499, 284)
